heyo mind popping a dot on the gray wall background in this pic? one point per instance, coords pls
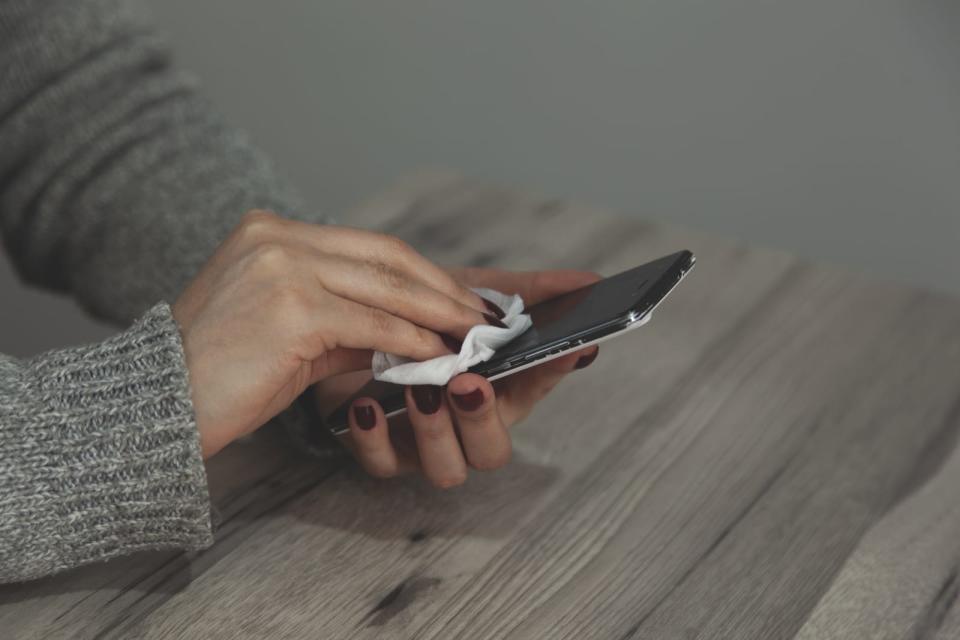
(827, 127)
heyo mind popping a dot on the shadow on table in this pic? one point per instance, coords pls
(261, 479)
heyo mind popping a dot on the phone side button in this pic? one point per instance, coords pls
(547, 351)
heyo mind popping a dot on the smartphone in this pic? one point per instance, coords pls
(568, 322)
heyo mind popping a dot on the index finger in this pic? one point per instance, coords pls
(382, 248)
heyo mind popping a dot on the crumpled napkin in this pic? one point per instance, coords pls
(479, 345)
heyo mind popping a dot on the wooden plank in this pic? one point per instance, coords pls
(721, 473)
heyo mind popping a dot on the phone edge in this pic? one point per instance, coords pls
(632, 321)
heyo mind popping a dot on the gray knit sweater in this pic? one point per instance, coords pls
(116, 183)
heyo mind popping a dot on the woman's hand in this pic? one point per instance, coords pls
(446, 430)
(283, 304)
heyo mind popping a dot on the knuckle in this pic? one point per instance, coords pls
(493, 460)
(450, 308)
(381, 321)
(381, 470)
(270, 258)
(390, 276)
(397, 247)
(256, 224)
(258, 214)
(450, 480)
(426, 342)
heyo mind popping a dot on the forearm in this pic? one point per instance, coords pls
(101, 455)
(117, 180)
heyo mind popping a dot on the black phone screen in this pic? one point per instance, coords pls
(576, 316)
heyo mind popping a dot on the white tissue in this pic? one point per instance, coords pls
(481, 343)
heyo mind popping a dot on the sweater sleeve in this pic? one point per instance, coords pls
(99, 453)
(117, 180)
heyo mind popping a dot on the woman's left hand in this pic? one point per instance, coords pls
(465, 424)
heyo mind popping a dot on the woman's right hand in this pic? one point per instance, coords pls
(283, 304)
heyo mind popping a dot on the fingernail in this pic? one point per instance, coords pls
(494, 321)
(451, 343)
(469, 401)
(585, 361)
(494, 309)
(427, 397)
(366, 416)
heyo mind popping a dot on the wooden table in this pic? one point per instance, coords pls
(771, 457)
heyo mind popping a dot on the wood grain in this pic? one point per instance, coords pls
(773, 456)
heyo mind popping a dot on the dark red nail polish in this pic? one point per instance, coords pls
(495, 321)
(585, 361)
(427, 397)
(366, 417)
(451, 343)
(469, 401)
(494, 309)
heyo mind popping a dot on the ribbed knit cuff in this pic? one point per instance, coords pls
(114, 451)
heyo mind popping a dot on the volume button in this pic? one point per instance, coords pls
(547, 351)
